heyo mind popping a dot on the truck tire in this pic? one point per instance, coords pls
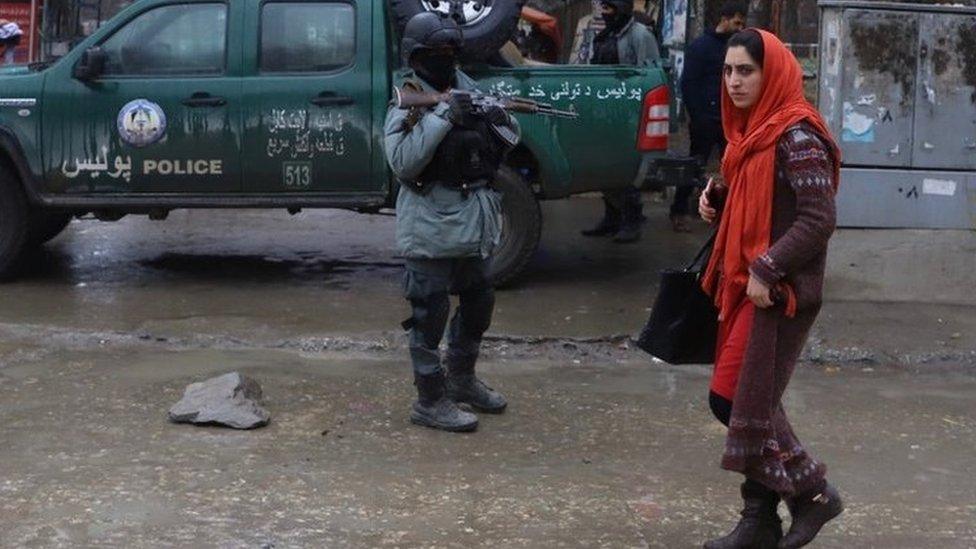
(45, 225)
(486, 24)
(14, 223)
(521, 227)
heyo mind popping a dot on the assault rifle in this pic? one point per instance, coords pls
(407, 98)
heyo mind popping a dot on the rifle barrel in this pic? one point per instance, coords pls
(407, 98)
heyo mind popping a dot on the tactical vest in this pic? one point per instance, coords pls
(606, 49)
(469, 155)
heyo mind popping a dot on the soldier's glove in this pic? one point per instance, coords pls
(497, 116)
(461, 107)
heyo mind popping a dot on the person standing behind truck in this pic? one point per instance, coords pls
(590, 25)
(448, 223)
(623, 41)
(10, 34)
(701, 91)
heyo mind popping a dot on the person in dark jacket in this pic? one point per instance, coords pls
(701, 90)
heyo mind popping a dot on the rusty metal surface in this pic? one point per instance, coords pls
(958, 6)
(945, 110)
(898, 88)
(869, 83)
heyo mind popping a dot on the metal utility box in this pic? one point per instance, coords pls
(898, 89)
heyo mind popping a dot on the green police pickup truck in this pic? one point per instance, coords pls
(280, 104)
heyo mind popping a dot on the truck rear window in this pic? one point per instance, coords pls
(307, 36)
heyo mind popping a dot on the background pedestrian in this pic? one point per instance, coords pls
(701, 84)
(10, 34)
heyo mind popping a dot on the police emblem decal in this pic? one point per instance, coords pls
(141, 123)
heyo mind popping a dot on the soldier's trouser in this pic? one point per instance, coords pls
(427, 285)
(627, 202)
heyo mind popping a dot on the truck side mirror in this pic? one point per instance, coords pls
(91, 65)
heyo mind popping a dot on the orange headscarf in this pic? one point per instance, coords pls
(748, 168)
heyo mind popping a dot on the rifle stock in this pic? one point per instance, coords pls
(407, 98)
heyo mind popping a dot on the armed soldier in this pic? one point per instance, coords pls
(448, 220)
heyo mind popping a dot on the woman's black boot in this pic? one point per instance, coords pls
(760, 526)
(810, 512)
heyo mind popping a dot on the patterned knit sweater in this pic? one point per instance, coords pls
(761, 443)
(804, 216)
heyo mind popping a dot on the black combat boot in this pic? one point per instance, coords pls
(759, 527)
(627, 234)
(631, 219)
(465, 387)
(810, 512)
(433, 409)
(608, 226)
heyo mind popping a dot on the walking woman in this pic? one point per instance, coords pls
(766, 275)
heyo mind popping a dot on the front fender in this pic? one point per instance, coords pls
(10, 147)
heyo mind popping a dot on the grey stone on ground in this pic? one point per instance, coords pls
(232, 400)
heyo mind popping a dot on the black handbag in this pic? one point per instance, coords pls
(684, 321)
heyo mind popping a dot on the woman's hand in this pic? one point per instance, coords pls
(705, 209)
(759, 293)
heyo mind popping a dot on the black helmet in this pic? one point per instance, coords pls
(429, 30)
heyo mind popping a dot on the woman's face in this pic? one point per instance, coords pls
(743, 77)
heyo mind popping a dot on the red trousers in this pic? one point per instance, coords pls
(730, 350)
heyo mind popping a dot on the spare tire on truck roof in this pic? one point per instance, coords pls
(486, 24)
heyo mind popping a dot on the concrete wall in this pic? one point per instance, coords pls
(902, 266)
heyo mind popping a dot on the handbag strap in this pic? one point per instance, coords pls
(703, 254)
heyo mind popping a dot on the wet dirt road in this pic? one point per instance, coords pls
(601, 448)
(606, 453)
(265, 274)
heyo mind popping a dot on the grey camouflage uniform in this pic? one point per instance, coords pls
(447, 237)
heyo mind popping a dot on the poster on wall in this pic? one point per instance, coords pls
(675, 22)
(20, 13)
(677, 69)
(677, 57)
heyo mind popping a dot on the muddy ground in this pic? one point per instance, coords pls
(601, 447)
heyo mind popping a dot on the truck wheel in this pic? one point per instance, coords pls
(486, 24)
(45, 225)
(14, 223)
(521, 227)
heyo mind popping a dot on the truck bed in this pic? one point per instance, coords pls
(599, 149)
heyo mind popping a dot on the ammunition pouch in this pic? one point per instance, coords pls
(469, 156)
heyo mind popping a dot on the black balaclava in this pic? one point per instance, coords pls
(624, 12)
(436, 67)
(430, 45)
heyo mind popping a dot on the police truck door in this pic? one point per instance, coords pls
(307, 98)
(165, 114)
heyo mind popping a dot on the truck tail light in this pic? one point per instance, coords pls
(655, 120)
